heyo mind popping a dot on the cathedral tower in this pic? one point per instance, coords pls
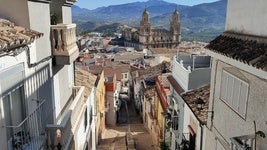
(175, 26)
(145, 28)
(145, 25)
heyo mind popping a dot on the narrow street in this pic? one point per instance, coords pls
(114, 137)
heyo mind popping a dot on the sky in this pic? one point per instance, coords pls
(92, 4)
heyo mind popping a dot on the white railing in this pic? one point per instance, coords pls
(30, 133)
(245, 142)
(63, 133)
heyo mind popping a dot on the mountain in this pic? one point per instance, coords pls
(200, 22)
(124, 13)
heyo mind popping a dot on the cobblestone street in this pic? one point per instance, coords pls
(115, 136)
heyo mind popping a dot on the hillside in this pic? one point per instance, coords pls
(200, 22)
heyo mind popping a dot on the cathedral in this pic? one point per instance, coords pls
(145, 37)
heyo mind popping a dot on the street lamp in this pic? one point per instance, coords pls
(199, 104)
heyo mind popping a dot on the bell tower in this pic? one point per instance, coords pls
(145, 25)
(175, 26)
(145, 30)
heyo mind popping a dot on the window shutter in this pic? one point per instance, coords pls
(224, 86)
(243, 99)
(236, 93)
(230, 88)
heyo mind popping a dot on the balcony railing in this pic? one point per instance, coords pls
(184, 145)
(175, 125)
(63, 43)
(245, 142)
(30, 133)
(62, 134)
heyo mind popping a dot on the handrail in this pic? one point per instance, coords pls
(26, 117)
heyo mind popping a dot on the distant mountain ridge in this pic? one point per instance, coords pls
(200, 22)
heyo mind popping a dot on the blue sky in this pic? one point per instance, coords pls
(92, 4)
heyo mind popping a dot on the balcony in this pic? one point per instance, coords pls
(30, 133)
(63, 134)
(174, 127)
(63, 43)
(245, 142)
(184, 145)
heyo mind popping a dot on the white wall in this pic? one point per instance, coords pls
(199, 78)
(111, 113)
(247, 16)
(80, 136)
(63, 83)
(12, 12)
(180, 74)
(66, 15)
(190, 119)
(37, 10)
(37, 81)
(228, 123)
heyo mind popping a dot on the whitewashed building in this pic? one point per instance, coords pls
(26, 89)
(37, 78)
(238, 81)
(190, 76)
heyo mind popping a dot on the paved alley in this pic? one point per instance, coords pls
(114, 137)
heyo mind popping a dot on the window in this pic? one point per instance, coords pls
(14, 110)
(234, 92)
(13, 97)
(85, 119)
(175, 121)
(91, 116)
(125, 75)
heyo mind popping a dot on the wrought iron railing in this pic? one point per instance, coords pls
(184, 145)
(245, 142)
(30, 133)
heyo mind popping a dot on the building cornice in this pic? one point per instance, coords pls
(250, 69)
(41, 1)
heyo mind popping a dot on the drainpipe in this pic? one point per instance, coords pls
(213, 95)
(201, 135)
(74, 76)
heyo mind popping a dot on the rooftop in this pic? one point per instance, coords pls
(194, 61)
(163, 51)
(84, 78)
(12, 36)
(163, 91)
(248, 49)
(153, 71)
(127, 56)
(108, 72)
(190, 98)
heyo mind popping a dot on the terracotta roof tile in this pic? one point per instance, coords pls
(149, 92)
(155, 70)
(190, 98)
(163, 51)
(162, 92)
(111, 71)
(12, 36)
(84, 78)
(245, 48)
